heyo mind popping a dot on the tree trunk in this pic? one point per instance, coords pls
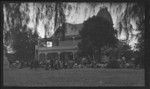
(56, 14)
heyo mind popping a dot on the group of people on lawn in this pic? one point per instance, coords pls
(52, 64)
(55, 63)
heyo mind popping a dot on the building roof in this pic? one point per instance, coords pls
(73, 29)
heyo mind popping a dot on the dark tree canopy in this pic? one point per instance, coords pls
(24, 44)
(96, 33)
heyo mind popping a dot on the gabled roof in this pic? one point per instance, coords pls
(73, 29)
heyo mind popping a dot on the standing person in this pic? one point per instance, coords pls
(35, 64)
(83, 61)
(124, 62)
(31, 64)
(21, 64)
(119, 61)
(56, 64)
(59, 64)
(133, 62)
(52, 63)
(47, 64)
(65, 64)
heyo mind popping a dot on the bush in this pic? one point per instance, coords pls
(113, 64)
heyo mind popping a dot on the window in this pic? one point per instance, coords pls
(49, 44)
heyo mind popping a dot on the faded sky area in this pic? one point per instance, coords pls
(40, 17)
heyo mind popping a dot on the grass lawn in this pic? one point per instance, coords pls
(73, 77)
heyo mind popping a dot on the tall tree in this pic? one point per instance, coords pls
(139, 11)
(96, 33)
(59, 15)
(21, 39)
(59, 22)
(24, 44)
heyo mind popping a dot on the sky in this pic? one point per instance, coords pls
(75, 13)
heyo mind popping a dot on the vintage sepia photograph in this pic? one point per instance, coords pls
(87, 44)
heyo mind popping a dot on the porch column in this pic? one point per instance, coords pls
(45, 55)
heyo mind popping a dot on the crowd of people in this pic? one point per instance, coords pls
(55, 63)
(84, 62)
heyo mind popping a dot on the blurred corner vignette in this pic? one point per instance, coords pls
(73, 44)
